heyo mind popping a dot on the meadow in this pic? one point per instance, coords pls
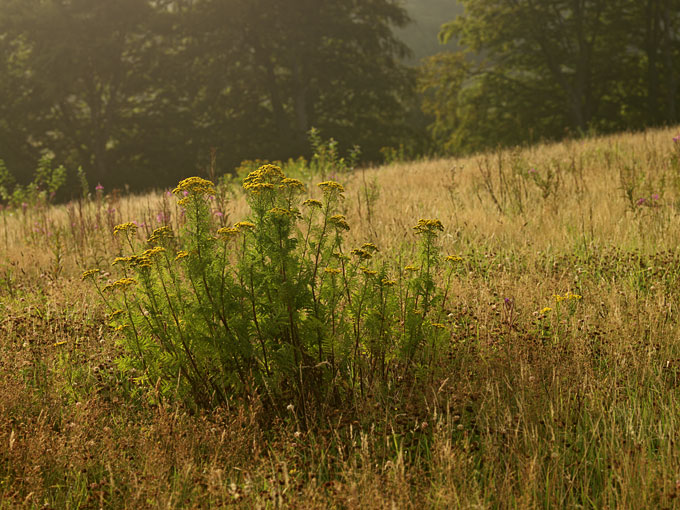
(499, 331)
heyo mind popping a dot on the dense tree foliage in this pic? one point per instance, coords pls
(144, 92)
(539, 69)
(141, 91)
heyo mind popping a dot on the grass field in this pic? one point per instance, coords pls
(556, 384)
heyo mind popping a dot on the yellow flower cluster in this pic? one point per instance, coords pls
(160, 234)
(569, 296)
(411, 268)
(123, 283)
(425, 226)
(227, 233)
(263, 178)
(454, 258)
(181, 254)
(332, 270)
(196, 186)
(292, 184)
(125, 228)
(142, 260)
(311, 202)
(88, 273)
(370, 247)
(331, 188)
(361, 253)
(245, 225)
(339, 222)
(387, 282)
(279, 211)
(546, 310)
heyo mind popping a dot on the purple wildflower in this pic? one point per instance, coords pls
(99, 187)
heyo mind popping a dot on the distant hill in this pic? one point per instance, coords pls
(428, 16)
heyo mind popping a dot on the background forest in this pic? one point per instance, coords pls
(140, 93)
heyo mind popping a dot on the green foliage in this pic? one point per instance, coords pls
(539, 70)
(46, 182)
(137, 91)
(326, 159)
(275, 305)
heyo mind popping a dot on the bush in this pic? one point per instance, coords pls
(273, 307)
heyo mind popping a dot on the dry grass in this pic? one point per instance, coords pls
(573, 407)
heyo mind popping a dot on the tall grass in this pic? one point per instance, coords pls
(553, 382)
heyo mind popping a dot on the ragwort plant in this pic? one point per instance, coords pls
(273, 307)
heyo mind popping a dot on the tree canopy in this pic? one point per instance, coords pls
(539, 69)
(141, 91)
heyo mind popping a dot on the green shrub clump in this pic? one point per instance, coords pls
(274, 306)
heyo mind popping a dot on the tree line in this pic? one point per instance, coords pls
(142, 92)
(543, 69)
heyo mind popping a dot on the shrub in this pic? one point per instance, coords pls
(274, 306)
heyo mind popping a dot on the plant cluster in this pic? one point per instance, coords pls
(276, 305)
(42, 189)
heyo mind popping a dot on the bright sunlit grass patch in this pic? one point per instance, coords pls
(517, 348)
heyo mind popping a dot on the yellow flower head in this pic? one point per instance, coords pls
(412, 269)
(292, 184)
(339, 222)
(387, 282)
(227, 233)
(122, 260)
(546, 310)
(438, 325)
(280, 213)
(125, 228)
(332, 270)
(244, 225)
(311, 202)
(370, 247)
(367, 271)
(89, 273)
(331, 188)
(569, 296)
(195, 186)
(454, 259)
(123, 283)
(258, 186)
(181, 254)
(263, 178)
(160, 234)
(361, 253)
(425, 226)
(152, 252)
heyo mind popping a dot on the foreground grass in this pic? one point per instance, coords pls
(538, 402)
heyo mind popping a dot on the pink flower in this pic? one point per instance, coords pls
(99, 187)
